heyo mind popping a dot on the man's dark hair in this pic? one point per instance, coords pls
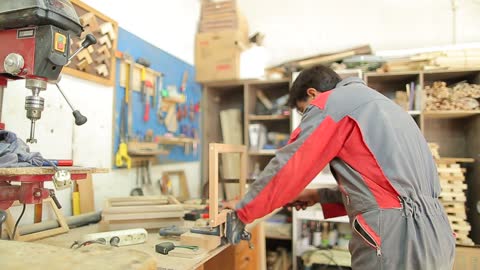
(319, 77)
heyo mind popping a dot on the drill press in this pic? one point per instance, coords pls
(35, 42)
(34, 45)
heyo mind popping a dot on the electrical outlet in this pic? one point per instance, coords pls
(118, 238)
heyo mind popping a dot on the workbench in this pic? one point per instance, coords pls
(163, 261)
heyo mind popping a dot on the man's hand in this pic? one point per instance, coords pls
(306, 198)
(229, 204)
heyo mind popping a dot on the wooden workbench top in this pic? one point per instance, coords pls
(163, 261)
(48, 170)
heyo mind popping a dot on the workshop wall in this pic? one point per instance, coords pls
(173, 70)
(326, 25)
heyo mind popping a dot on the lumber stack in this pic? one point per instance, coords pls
(452, 181)
(439, 60)
(462, 96)
(149, 212)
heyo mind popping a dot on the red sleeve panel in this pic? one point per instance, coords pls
(308, 154)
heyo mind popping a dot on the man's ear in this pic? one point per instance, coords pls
(312, 92)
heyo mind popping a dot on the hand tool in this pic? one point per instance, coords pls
(165, 247)
(160, 117)
(172, 231)
(122, 159)
(131, 67)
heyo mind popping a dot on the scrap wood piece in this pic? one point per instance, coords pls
(85, 55)
(104, 40)
(82, 65)
(154, 223)
(102, 70)
(207, 242)
(107, 29)
(104, 50)
(88, 20)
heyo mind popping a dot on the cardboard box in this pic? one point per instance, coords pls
(217, 55)
(467, 258)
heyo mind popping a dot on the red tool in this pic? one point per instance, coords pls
(148, 87)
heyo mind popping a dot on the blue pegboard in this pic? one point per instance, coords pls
(173, 69)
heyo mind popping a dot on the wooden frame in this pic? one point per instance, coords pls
(215, 149)
(182, 178)
(38, 235)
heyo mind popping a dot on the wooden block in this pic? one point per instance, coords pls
(104, 50)
(89, 20)
(85, 187)
(85, 55)
(143, 209)
(207, 242)
(82, 65)
(105, 40)
(107, 29)
(140, 223)
(102, 70)
(102, 59)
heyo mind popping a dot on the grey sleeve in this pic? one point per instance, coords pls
(330, 195)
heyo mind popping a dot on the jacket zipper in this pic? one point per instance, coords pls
(342, 189)
(375, 245)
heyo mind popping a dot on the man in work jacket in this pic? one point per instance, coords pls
(387, 179)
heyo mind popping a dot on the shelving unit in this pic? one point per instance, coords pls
(457, 132)
(241, 95)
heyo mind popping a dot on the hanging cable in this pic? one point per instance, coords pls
(18, 221)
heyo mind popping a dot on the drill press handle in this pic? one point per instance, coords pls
(89, 40)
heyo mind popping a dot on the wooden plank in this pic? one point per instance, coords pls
(455, 160)
(144, 209)
(48, 170)
(142, 215)
(268, 117)
(141, 223)
(450, 114)
(207, 242)
(85, 187)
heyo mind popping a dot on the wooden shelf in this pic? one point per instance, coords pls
(450, 114)
(175, 140)
(262, 153)
(268, 117)
(453, 159)
(277, 237)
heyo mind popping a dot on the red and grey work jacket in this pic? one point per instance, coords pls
(375, 150)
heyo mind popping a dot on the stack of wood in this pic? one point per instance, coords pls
(449, 59)
(220, 16)
(149, 212)
(463, 96)
(452, 196)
